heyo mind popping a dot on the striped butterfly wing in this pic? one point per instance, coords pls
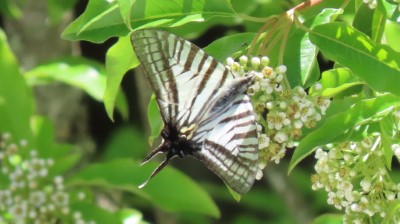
(183, 77)
(195, 92)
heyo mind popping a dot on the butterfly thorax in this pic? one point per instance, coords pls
(177, 143)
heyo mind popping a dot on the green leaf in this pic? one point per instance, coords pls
(337, 80)
(370, 21)
(119, 59)
(10, 8)
(300, 54)
(387, 130)
(343, 123)
(16, 100)
(328, 219)
(154, 117)
(309, 69)
(393, 34)
(392, 211)
(92, 212)
(80, 72)
(125, 7)
(127, 142)
(169, 190)
(131, 215)
(102, 19)
(227, 46)
(377, 64)
(62, 154)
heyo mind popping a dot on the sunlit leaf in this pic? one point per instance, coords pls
(16, 99)
(328, 219)
(225, 47)
(337, 80)
(377, 64)
(170, 189)
(119, 59)
(102, 19)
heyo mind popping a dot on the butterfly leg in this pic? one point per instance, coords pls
(159, 168)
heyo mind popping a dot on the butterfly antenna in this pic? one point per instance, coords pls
(161, 148)
(158, 169)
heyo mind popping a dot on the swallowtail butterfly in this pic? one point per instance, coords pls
(205, 110)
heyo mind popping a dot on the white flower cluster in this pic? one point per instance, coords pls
(356, 178)
(281, 112)
(29, 194)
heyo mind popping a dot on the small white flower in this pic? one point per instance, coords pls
(81, 195)
(255, 62)
(58, 180)
(298, 124)
(396, 150)
(259, 174)
(269, 105)
(263, 141)
(230, 61)
(366, 185)
(18, 210)
(279, 78)
(23, 142)
(264, 61)
(317, 86)
(5, 198)
(37, 198)
(60, 198)
(243, 60)
(280, 137)
(37, 167)
(77, 215)
(281, 69)
(33, 153)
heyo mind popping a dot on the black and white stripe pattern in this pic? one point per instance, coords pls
(205, 111)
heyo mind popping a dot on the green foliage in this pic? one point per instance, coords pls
(182, 194)
(362, 86)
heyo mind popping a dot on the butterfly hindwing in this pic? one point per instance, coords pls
(205, 111)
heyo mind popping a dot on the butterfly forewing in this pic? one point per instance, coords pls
(181, 75)
(195, 92)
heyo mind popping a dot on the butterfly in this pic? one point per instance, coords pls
(204, 108)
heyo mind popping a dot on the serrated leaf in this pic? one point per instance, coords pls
(342, 123)
(170, 189)
(102, 19)
(377, 64)
(119, 59)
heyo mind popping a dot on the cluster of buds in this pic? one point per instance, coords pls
(27, 193)
(355, 176)
(281, 111)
